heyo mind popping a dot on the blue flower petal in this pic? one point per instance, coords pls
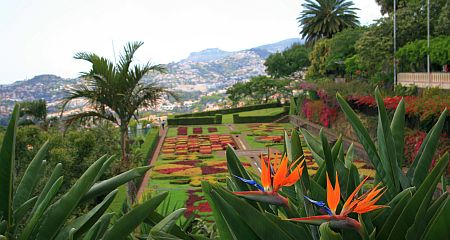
(250, 182)
(320, 204)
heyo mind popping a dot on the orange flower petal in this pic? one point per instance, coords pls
(333, 194)
(369, 209)
(266, 180)
(347, 208)
(295, 175)
(280, 175)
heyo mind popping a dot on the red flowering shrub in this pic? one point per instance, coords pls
(212, 170)
(182, 130)
(424, 108)
(414, 140)
(319, 112)
(212, 129)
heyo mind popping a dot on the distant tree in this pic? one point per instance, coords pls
(324, 18)
(35, 111)
(412, 56)
(238, 92)
(116, 91)
(287, 62)
(387, 6)
(258, 90)
(342, 46)
(262, 87)
(318, 57)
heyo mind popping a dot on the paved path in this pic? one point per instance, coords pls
(162, 136)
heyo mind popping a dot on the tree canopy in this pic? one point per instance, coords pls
(116, 91)
(324, 18)
(287, 62)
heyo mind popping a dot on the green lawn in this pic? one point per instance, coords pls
(221, 129)
(228, 118)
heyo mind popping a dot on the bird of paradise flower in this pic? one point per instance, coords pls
(273, 176)
(362, 204)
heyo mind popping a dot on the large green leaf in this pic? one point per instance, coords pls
(168, 222)
(237, 227)
(424, 162)
(128, 222)
(439, 227)
(297, 152)
(21, 211)
(99, 228)
(40, 208)
(7, 156)
(58, 212)
(420, 199)
(261, 225)
(288, 147)
(235, 168)
(314, 145)
(366, 141)
(294, 230)
(327, 234)
(221, 223)
(329, 161)
(386, 147)
(84, 223)
(398, 131)
(350, 156)
(56, 174)
(29, 179)
(108, 185)
(154, 218)
(380, 217)
(420, 226)
(396, 208)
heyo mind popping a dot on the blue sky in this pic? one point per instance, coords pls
(41, 37)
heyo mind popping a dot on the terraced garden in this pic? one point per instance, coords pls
(190, 155)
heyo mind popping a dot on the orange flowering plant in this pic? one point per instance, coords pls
(273, 176)
(362, 204)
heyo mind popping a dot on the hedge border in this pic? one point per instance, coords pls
(260, 119)
(217, 119)
(231, 110)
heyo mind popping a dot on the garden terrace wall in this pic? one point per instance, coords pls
(260, 119)
(232, 110)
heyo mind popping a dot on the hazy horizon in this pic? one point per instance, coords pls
(42, 37)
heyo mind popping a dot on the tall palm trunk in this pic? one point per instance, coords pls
(124, 145)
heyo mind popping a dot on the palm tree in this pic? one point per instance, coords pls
(115, 92)
(323, 18)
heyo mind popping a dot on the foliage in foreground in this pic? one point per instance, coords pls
(415, 207)
(50, 214)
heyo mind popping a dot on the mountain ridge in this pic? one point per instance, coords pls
(208, 70)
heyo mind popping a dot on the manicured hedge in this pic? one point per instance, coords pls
(191, 120)
(218, 118)
(231, 110)
(150, 143)
(260, 119)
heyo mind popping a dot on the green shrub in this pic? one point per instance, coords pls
(191, 121)
(230, 110)
(29, 211)
(149, 145)
(413, 207)
(260, 119)
(218, 119)
(410, 90)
